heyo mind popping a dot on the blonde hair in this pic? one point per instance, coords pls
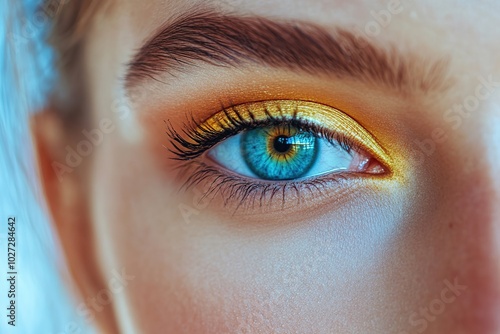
(23, 68)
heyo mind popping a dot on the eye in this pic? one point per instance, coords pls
(256, 150)
(286, 152)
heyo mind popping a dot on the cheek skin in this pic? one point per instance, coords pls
(364, 260)
(211, 278)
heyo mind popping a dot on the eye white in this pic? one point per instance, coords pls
(330, 158)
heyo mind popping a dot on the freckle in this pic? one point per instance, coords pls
(450, 226)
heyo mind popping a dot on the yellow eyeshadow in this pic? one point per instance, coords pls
(311, 112)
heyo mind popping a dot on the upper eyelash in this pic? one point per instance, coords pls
(197, 138)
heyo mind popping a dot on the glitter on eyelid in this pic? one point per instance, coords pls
(319, 114)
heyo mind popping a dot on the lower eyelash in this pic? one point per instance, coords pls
(251, 192)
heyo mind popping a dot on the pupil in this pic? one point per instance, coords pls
(281, 144)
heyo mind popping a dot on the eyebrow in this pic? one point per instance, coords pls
(231, 41)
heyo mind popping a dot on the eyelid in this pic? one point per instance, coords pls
(311, 112)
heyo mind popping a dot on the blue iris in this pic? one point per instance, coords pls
(280, 152)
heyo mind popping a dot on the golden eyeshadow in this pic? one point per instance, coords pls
(321, 115)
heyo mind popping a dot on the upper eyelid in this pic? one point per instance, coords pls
(314, 115)
(310, 112)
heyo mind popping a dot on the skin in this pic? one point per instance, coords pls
(376, 255)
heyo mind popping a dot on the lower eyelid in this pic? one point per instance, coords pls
(238, 194)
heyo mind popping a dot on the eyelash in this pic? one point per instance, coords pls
(204, 138)
(246, 191)
(195, 139)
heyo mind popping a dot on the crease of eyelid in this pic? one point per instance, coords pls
(321, 115)
(229, 40)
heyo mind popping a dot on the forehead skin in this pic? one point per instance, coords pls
(366, 264)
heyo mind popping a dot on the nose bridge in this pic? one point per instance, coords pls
(480, 212)
(490, 138)
(491, 141)
(488, 164)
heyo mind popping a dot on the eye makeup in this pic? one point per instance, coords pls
(320, 121)
(325, 120)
